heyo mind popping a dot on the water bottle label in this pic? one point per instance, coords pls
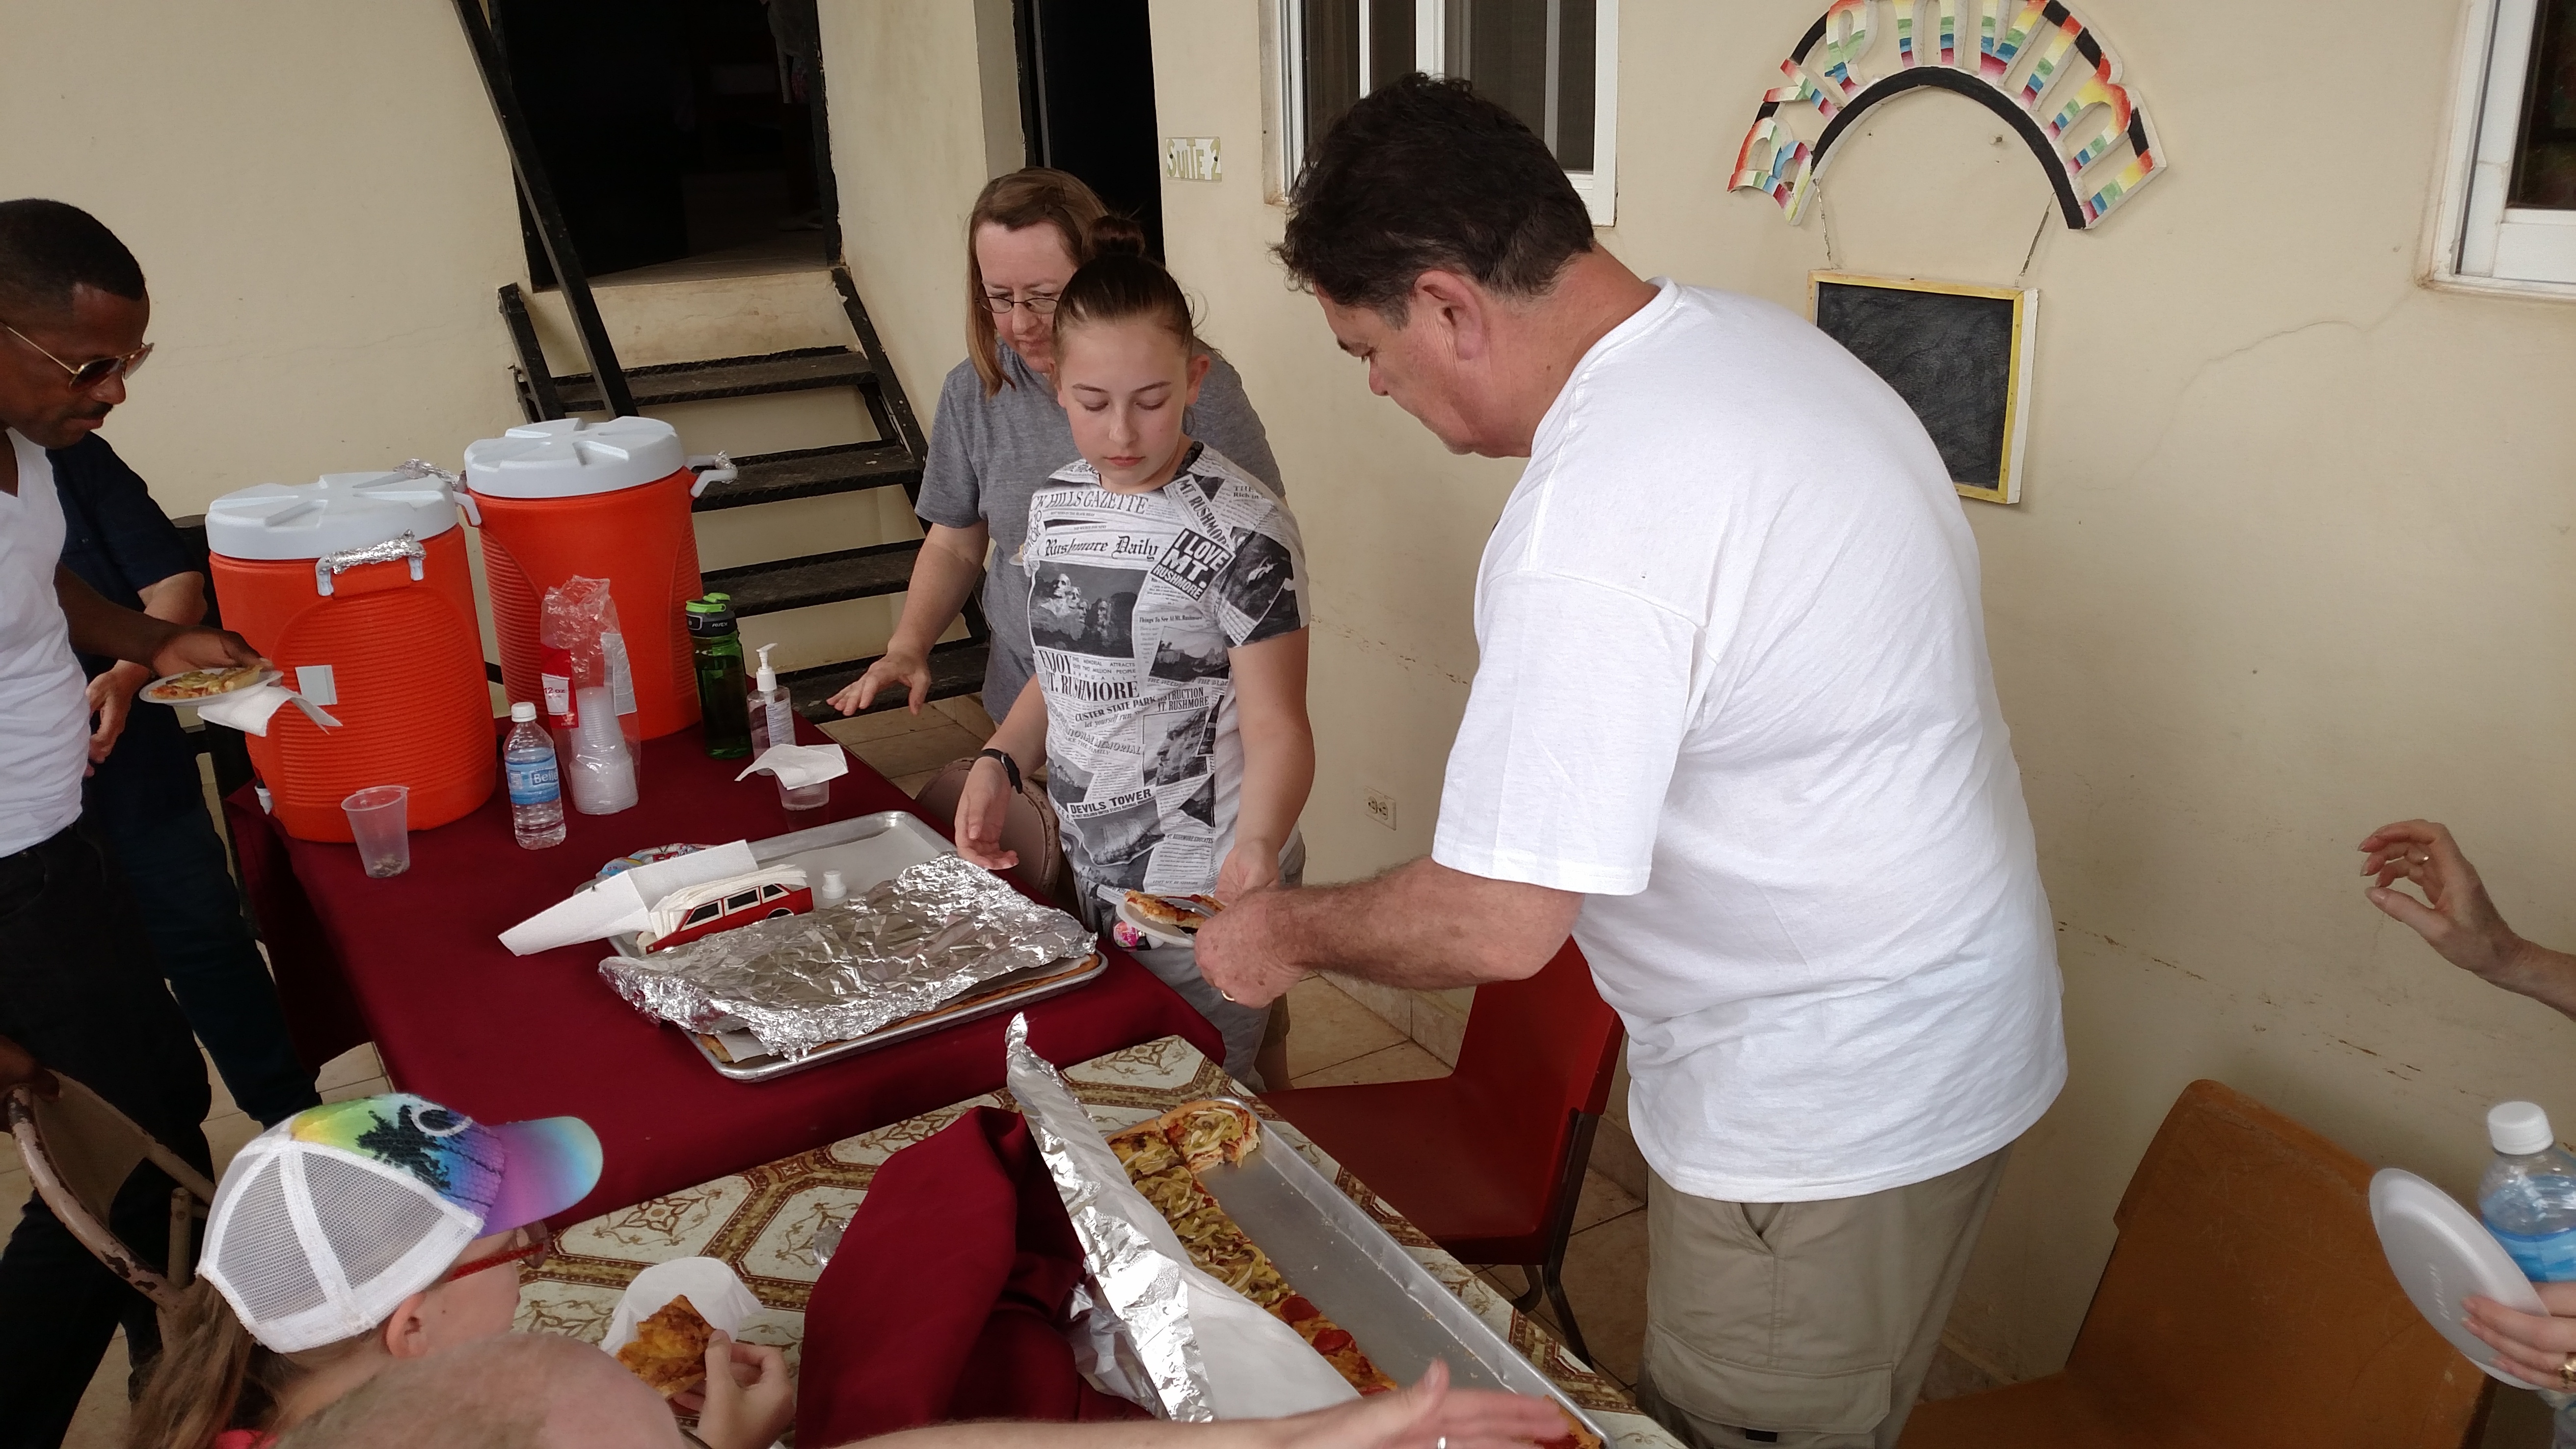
(2543, 1257)
(535, 782)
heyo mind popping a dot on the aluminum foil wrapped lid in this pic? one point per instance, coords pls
(1202, 1350)
(940, 927)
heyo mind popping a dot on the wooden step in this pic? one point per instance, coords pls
(823, 578)
(813, 472)
(955, 668)
(799, 371)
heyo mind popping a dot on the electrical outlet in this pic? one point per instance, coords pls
(1381, 808)
(1192, 158)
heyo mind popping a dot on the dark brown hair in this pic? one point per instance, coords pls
(1122, 284)
(1425, 174)
(1032, 196)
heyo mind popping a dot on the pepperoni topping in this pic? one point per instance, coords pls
(1296, 1309)
(1332, 1340)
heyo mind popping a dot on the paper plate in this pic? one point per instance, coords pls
(2441, 1255)
(152, 693)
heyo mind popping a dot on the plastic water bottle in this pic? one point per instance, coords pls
(2528, 1199)
(536, 784)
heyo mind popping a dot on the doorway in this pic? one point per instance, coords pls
(675, 129)
(1087, 101)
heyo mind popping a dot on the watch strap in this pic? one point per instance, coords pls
(1010, 767)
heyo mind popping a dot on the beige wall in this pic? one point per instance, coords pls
(2294, 558)
(320, 199)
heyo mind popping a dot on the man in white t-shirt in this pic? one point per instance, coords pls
(80, 988)
(1734, 728)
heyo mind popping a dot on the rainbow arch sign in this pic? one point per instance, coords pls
(2031, 62)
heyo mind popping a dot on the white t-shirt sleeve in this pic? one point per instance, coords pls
(1573, 726)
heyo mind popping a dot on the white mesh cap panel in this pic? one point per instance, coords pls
(316, 1245)
(371, 1221)
(257, 1259)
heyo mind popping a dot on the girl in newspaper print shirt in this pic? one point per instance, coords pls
(1167, 614)
(1136, 604)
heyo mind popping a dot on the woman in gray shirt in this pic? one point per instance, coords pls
(999, 433)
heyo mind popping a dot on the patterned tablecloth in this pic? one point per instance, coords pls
(763, 1222)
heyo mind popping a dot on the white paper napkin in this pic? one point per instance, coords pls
(248, 710)
(800, 764)
(710, 1284)
(624, 902)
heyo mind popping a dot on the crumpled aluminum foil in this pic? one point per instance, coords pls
(802, 982)
(1137, 1340)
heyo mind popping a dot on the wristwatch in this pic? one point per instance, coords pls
(1010, 766)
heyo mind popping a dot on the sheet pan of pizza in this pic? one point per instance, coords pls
(1333, 1256)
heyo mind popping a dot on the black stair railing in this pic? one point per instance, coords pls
(552, 234)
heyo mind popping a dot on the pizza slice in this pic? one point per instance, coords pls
(1184, 914)
(1155, 1161)
(1337, 1346)
(669, 1351)
(205, 683)
(1207, 1133)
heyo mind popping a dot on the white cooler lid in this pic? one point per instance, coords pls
(2441, 1255)
(573, 457)
(341, 512)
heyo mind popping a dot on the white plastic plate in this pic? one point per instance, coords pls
(2441, 1255)
(151, 693)
(1154, 931)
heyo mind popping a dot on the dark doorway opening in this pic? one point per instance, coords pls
(1087, 101)
(675, 129)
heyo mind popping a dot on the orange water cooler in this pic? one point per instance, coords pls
(604, 500)
(358, 587)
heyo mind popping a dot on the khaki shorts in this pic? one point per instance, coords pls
(1807, 1323)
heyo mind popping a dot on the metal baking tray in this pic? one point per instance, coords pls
(1332, 1252)
(866, 850)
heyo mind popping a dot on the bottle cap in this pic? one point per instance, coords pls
(834, 888)
(768, 679)
(523, 712)
(712, 615)
(2519, 1129)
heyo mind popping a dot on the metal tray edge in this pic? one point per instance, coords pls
(1346, 1216)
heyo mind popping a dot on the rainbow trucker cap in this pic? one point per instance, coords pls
(331, 1218)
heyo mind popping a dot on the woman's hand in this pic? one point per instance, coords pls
(1422, 1417)
(2533, 1345)
(1252, 865)
(749, 1398)
(982, 808)
(896, 666)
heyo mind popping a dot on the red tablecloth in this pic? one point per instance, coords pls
(414, 964)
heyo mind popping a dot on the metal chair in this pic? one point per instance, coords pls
(2246, 1305)
(1488, 1160)
(79, 1151)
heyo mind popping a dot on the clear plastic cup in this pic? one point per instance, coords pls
(380, 819)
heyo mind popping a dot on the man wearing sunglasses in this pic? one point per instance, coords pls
(80, 987)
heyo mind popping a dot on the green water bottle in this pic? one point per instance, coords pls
(715, 644)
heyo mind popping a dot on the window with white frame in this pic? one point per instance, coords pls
(2507, 219)
(1553, 63)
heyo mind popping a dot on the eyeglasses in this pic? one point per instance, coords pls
(1000, 304)
(540, 1242)
(95, 371)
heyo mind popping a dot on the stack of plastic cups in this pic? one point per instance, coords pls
(602, 773)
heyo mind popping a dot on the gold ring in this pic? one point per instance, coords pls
(2567, 1372)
